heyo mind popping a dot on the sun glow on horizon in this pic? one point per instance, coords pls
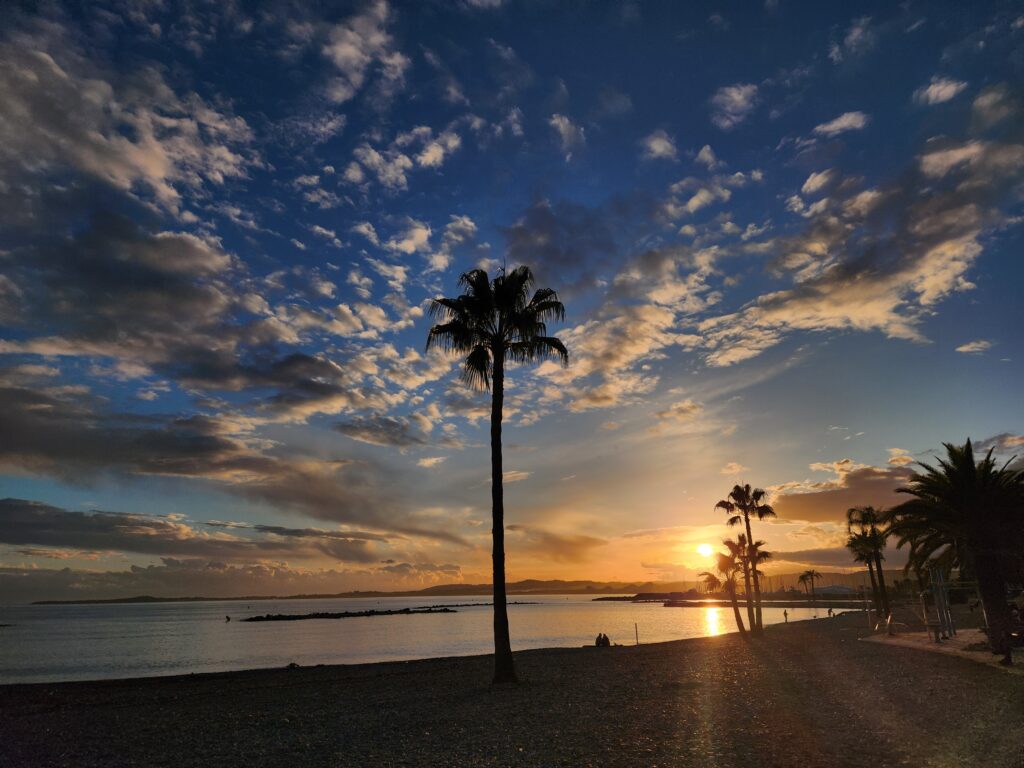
(705, 550)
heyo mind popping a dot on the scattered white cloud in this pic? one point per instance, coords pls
(415, 236)
(817, 181)
(733, 468)
(358, 44)
(994, 105)
(658, 145)
(848, 121)
(975, 347)
(390, 166)
(732, 104)
(431, 461)
(899, 457)
(707, 158)
(140, 136)
(939, 90)
(570, 135)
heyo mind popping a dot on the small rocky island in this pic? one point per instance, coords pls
(346, 614)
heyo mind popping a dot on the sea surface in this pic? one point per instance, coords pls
(49, 643)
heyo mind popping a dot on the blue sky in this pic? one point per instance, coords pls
(785, 234)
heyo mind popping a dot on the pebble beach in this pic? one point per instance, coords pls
(805, 694)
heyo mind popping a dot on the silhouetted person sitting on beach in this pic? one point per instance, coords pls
(599, 640)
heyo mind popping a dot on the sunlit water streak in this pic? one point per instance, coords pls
(85, 642)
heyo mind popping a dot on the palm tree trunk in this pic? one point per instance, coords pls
(504, 668)
(814, 597)
(874, 587)
(886, 613)
(749, 596)
(992, 587)
(757, 581)
(736, 611)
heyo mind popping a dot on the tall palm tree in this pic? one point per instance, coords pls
(494, 322)
(868, 521)
(861, 548)
(969, 515)
(743, 503)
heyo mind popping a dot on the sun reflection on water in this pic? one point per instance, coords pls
(713, 621)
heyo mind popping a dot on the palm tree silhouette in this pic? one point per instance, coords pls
(728, 564)
(493, 322)
(967, 515)
(809, 577)
(710, 582)
(863, 552)
(872, 535)
(803, 580)
(740, 553)
(742, 503)
(757, 556)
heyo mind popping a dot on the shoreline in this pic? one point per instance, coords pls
(730, 631)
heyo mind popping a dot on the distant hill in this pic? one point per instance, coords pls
(525, 587)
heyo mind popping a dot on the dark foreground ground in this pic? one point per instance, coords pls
(806, 694)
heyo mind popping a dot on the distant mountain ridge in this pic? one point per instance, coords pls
(524, 587)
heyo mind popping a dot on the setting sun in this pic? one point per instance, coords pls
(705, 550)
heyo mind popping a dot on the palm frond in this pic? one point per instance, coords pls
(537, 348)
(496, 319)
(477, 368)
(454, 336)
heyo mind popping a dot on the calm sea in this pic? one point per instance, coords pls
(47, 643)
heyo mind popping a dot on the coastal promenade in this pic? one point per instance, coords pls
(806, 694)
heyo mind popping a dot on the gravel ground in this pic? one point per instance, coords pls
(806, 694)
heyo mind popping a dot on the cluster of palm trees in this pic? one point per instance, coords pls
(806, 580)
(743, 555)
(965, 515)
(867, 534)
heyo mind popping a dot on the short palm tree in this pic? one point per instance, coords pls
(867, 521)
(492, 323)
(740, 553)
(728, 566)
(863, 552)
(803, 581)
(710, 582)
(809, 577)
(743, 503)
(969, 515)
(757, 557)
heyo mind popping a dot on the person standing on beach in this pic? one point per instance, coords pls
(785, 615)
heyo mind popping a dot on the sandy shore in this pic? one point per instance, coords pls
(806, 694)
